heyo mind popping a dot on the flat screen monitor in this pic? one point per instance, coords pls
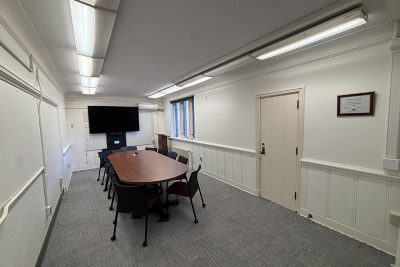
(105, 119)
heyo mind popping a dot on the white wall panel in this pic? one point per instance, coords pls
(221, 163)
(342, 197)
(207, 158)
(394, 206)
(317, 190)
(372, 215)
(237, 167)
(228, 160)
(214, 160)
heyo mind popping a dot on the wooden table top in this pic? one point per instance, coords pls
(145, 167)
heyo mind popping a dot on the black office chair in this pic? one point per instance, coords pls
(102, 156)
(187, 189)
(183, 159)
(172, 154)
(128, 148)
(151, 148)
(162, 151)
(133, 199)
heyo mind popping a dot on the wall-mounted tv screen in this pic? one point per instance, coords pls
(113, 119)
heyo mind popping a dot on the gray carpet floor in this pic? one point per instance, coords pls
(235, 229)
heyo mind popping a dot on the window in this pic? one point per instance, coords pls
(182, 118)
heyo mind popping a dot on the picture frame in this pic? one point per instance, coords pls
(361, 104)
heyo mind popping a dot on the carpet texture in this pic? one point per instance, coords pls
(235, 229)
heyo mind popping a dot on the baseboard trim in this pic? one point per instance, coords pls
(235, 184)
(351, 232)
(49, 230)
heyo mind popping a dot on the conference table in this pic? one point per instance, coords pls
(146, 167)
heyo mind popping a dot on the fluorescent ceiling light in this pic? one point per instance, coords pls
(88, 90)
(171, 89)
(149, 106)
(157, 95)
(107, 4)
(89, 81)
(193, 81)
(92, 29)
(89, 66)
(230, 66)
(325, 30)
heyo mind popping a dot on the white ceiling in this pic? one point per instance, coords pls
(157, 42)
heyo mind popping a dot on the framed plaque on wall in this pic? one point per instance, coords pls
(361, 104)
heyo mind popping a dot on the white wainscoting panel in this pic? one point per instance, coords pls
(372, 211)
(342, 197)
(230, 165)
(351, 200)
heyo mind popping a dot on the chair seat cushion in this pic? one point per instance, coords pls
(152, 199)
(179, 188)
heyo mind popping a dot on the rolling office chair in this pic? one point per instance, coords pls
(183, 159)
(187, 189)
(151, 148)
(135, 199)
(172, 154)
(103, 158)
(128, 148)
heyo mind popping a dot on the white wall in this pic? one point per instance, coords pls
(225, 122)
(23, 231)
(85, 146)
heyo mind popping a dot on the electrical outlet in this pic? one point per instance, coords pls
(201, 158)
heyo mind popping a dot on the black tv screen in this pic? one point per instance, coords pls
(113, 119)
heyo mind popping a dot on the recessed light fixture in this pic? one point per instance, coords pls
(89, 66)
(88, 90)
(193, 81)
(322, 31)
(89, 81)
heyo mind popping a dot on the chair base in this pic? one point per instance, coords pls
(196, 221)
(204, 205)
(110, 208)
(144, 244)
(113, 238)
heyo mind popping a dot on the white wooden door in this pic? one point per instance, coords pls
(279, 127)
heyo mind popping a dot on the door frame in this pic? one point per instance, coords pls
(300, 135)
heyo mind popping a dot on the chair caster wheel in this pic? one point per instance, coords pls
(110, 208)
(108, 197)
(196, 221)
(204, 205)
(105, 189)
(102, 183)
(144, 244)
(113, 222)
(112, 238)
(98, 179)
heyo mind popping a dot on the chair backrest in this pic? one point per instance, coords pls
(103, 156)
(183, 159)
(193, 185)
(172, 154)
(131, 198)
(128, 148)
(151, 148)
(162, 151)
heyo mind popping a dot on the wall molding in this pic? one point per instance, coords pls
(16, 81)
(350, 232)
(349, 168)
(240, 149)
(19, 194)
(252, 191)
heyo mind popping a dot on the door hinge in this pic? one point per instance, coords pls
(297, 150)
(295, 195)
(298, 104)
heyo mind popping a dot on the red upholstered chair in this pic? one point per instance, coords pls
(187, 189)
(133, 199)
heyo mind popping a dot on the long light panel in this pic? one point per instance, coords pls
(339, 24)
(90, 66)
(88, 90)
(89, 81)
(322, 31)
(83, 21)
